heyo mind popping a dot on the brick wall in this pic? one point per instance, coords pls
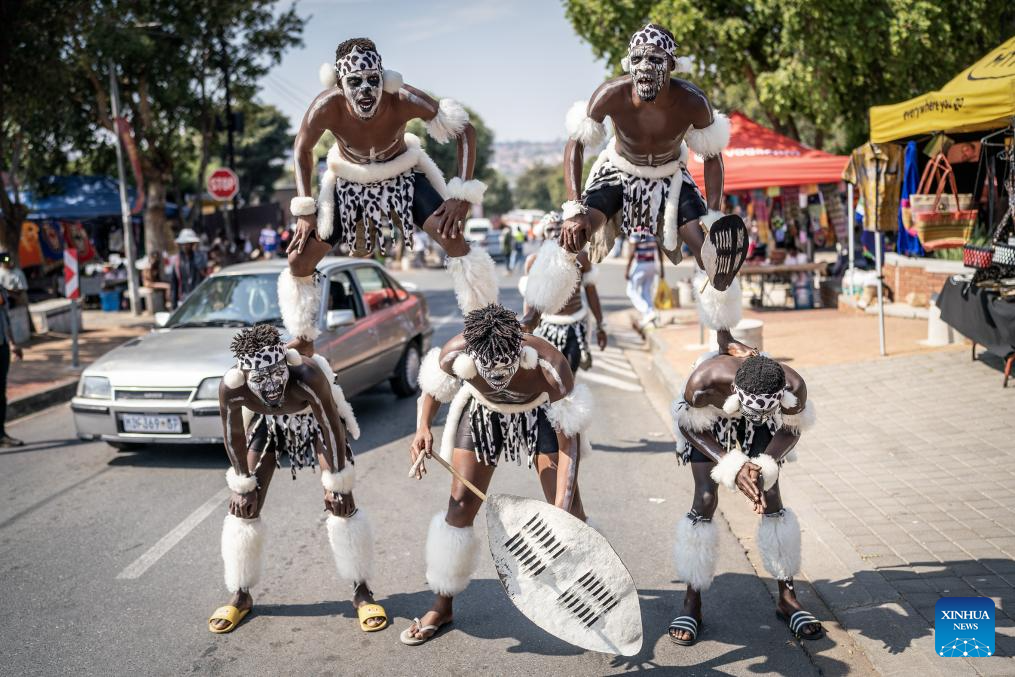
(906, 279)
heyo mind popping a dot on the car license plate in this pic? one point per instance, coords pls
(152, 423)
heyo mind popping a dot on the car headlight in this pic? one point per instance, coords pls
(209, 389)
(96, 387)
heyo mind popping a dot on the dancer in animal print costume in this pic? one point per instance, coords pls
(738, 420)
(275, 402)
(512, 396)
(567, 329)
(640, 183)
(379, 184)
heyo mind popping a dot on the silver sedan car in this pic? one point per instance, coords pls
(163, 387)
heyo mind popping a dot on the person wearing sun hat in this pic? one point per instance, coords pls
(189, 266)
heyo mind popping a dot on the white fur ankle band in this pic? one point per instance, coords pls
(470, 191)
(352, 545)
(299, 303)
(341, 482)
(240, 484)
(726, 470)
(474, 279)
(302, 206)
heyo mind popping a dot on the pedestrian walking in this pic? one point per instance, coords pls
(507, 241)
(517, 252)
(8, 348)
(189, 266)
(268, 241)
(641, 274)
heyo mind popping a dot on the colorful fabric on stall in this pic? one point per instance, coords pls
(76, 237)
(876, 169)
(51, 240)
(29, 251)
(908, 243)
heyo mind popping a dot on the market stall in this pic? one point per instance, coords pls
(788, 194)
(968, 120)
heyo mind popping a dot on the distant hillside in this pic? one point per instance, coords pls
(512, 158)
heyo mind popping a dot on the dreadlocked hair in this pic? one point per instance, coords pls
(760, 375)
(250, 341)
(492, 332)
(364, 44)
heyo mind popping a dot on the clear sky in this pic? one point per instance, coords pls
(518, 63)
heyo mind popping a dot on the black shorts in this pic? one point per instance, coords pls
(609, 199)
(546, 436)
(425, 201)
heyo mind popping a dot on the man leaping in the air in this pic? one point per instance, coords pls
(379, 181)
(641, 182)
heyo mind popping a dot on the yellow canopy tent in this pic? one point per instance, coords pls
(980, 97)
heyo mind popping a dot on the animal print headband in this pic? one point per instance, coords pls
(358, 60)
(760, 402)
(651, 35)
(268, 356)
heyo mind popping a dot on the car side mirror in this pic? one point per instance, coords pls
(162, 318)
(340, 318)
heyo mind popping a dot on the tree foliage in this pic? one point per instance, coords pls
(498, 199)
(807, 67)
(260, 149)
(540, 187)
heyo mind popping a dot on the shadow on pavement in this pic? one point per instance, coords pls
(172, 456)
(43, 445)
(651, 446)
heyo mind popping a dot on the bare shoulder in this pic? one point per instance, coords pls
(326, 107)
(796, 385)
(232, 397)
(309, 373)
(529, 261)
(608, 96)
(555, 369)
(691, 98)
(710, 381)
(450, 351)
(416, 103)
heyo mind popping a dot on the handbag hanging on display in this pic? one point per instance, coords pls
(942, 220)
(974, 256)
(1004, 234)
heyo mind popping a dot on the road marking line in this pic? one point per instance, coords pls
(136, 568)
(627, 371)
(610, 381)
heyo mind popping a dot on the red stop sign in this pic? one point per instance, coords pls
(223, 184)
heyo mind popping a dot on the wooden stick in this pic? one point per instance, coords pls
(451, 469)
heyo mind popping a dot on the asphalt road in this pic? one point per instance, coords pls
(110, 561)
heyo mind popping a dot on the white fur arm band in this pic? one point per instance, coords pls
(340, 482)
(302, 206)
(436, 382)
(726, 470)
(769, 470)
(572, 208)
(449, 122)
(470, 191)
(240, 484)
(581, 128)
(590, 278)
(573, 414)
(797, 423)
(709, 141)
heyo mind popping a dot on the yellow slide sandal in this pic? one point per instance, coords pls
(227, 613)
(368, 611)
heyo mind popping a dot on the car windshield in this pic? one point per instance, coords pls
(230, 301)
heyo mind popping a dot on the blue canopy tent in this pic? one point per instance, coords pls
(79, 198)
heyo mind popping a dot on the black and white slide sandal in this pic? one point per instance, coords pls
(687, 624)
(798, 620)
(725, 250)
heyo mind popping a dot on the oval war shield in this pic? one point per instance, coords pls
(563, 575)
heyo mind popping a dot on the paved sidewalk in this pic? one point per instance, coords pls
(904, 488)
(45, 377)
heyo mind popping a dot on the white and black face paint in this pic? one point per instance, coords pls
(650, 66)
(268, 383)
(499, 371)
(363, 90)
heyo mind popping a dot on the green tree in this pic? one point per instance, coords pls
(498, 199)
(38, 123)
(536, 187)
(172, 59)
(807, 67)
(260, 149)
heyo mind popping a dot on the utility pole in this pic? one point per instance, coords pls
(128, 227)
(232, 228)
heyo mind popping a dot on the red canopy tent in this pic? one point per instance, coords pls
(758, 157)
